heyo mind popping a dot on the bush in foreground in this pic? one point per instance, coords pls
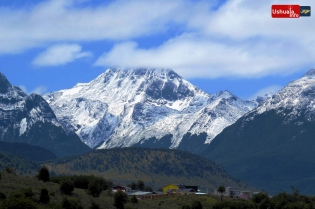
(44, 196)
(66, 186)
(120, 199)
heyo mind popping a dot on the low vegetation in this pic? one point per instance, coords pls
(31, 193)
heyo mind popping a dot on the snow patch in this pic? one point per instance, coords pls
(23, 126)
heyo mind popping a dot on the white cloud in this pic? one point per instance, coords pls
(192, 56)
(23, 88)
(60, 54)
(65, 20)
(240, 39)
(38, 90)
(270, 89)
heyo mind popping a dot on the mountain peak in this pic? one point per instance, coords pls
(311, 72)
(143, 71)
(4, 83)
(125, 107)
(224, 94)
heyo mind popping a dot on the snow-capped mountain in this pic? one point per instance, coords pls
(123, 107)
(298, 96)
(29, 119)
(274, 142)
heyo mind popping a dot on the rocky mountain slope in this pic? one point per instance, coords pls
(29, 119)
(126, 107)
(272, 146)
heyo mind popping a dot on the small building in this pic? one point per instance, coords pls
(138, 193)
(121, 188)
(195, 188)
(246, 195)
(170, 188)
(186, 191)
(229, 192)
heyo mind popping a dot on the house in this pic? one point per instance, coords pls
(180, 189)
(186, 191)
(232, 192)
(229, 192)
(195, 188)
(121, 188)
(246, 195)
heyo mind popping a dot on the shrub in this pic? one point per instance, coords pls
(95, 188)
(66, 186)
(71, 204)
(9, 169)
(134, 199)
(22, 193)
(44, 196)
(19, 203)
(2, 196)
(27, 192)
(196, 205)
(43, 174)
(94, 205)
(120, 199)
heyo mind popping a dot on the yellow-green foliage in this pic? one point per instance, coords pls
(170, 187)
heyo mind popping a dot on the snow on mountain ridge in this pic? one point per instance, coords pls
(297, 96)
(122, 107)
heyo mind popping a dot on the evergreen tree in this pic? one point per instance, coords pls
(133, 186)
(44, 196)
(141, 185)
(221, 190)
(120, 199)
(134, 200)
(148, 189)
(43, 174)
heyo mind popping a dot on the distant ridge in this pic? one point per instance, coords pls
(157, 167)
(19, 165)
(27, 151)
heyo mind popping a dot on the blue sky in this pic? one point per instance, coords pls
(217, 45)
